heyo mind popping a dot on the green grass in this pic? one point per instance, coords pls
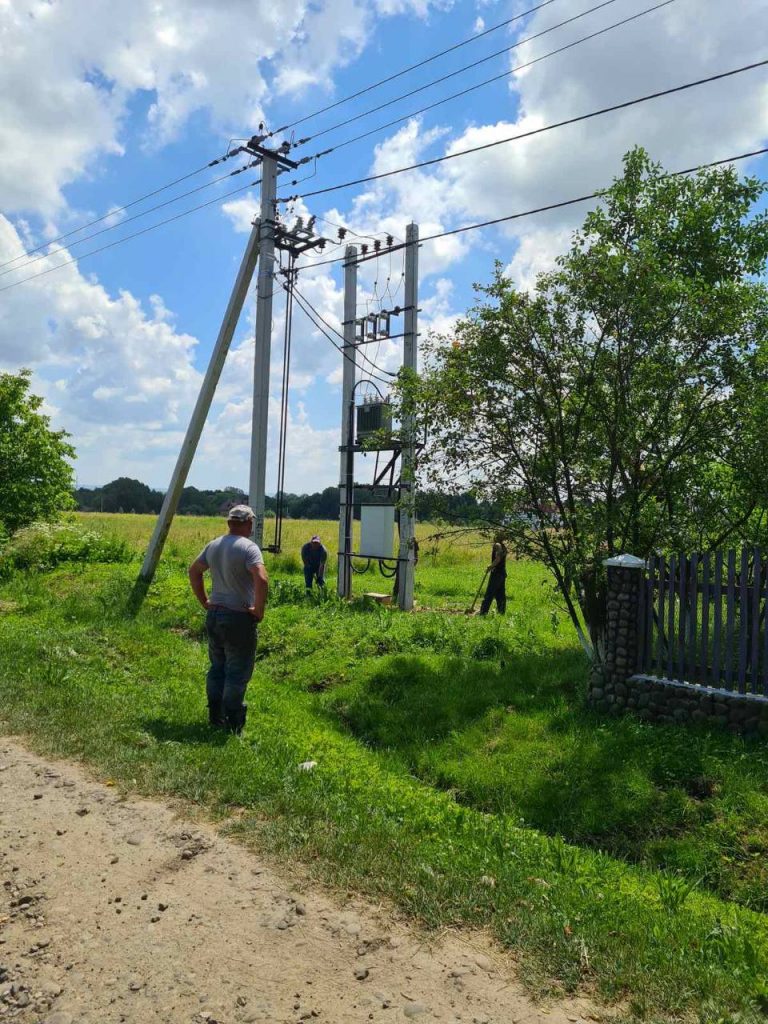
(454, 757)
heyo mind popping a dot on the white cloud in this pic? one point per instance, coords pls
(122, 380)
(650, 54)
(69, 71)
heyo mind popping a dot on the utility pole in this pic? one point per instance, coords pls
(265, 287)
(272, 161)
(408, 463)
(346, 493)
(199, 415)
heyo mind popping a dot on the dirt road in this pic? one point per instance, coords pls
(116, 910)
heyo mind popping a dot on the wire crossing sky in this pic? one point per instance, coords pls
(120, 231)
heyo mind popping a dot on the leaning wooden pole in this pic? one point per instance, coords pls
(199, 416)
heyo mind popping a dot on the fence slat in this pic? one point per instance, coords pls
(765, 634)
(743, 619)
(641, 613)
(671, 617)
(730, 610)
(649, 609)
(682, 616)
(704, 632)
(693, 616)
(660, 620)
(754, 676)
(717, 626)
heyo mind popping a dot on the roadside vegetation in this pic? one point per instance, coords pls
(458, 773)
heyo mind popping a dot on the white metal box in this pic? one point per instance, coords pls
(377, 531)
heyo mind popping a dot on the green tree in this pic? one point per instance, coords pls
(616, 407)
(35, 477)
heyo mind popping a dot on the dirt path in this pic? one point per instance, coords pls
(120, 911)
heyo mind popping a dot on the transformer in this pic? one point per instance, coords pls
(373, 416)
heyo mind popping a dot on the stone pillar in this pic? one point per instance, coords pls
(608, 685)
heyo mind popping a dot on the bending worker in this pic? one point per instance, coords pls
(314, 555)
(497, 580)
(235, 607)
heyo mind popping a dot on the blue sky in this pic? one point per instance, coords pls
(118, 342)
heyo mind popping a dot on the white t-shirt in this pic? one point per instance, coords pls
(230, 559)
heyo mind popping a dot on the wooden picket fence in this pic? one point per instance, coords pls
(703, 620)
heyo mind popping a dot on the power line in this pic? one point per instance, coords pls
(339, 259)
(534, 131)
(324, 327)
(554, 206)
(356, 234)
(413, 67)
(495, 78)
(136, 216)
(127, 238)
(461, 70)
(121, 209)
(338, 334)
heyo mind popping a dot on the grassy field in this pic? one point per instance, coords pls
(458, 772)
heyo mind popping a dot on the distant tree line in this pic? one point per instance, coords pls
(128, 495)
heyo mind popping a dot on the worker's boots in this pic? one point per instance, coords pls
(216, 717)
(235, 720)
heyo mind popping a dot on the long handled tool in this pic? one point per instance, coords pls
(471, 609)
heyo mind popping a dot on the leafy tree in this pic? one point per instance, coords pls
(619, 406)
(128, 495)
(35, 477)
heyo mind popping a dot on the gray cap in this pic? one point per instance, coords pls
(241, 513)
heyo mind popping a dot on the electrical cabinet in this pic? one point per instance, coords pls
(377, 531)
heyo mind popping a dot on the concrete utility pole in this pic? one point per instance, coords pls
(407, 467)
(344, 583)
(197, 422)
(265, 288)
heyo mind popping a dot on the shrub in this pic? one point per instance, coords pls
(45, 545)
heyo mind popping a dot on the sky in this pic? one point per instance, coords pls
(102, 104)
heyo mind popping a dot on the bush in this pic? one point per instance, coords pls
(45, 545)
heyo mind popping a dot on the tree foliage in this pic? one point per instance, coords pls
(620, 405)
(35, 474)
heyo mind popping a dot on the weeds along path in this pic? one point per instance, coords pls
(116, 910)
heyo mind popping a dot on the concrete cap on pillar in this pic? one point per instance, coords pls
(625, 562)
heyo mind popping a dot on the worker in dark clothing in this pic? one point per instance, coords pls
(314, 555)
(497, 579)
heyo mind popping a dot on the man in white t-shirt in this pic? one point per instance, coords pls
(236, 604)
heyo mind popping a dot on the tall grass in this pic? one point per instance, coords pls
(459, 774)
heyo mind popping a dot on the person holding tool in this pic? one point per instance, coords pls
(233, 610)
(314, 555)
(497, 578)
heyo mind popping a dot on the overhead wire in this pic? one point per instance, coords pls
(136, 216)
(128, 238)
(402, 245)
(413, 67)
(556, 206)
(460, 71)
(532, 132)
(494, 78)
(318, 316)
(321, 325)
(350, 231)
(125, 206)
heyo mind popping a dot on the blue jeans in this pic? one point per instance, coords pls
(311, 574)
(232, 652)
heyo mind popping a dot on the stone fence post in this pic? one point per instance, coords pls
(608, 690)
